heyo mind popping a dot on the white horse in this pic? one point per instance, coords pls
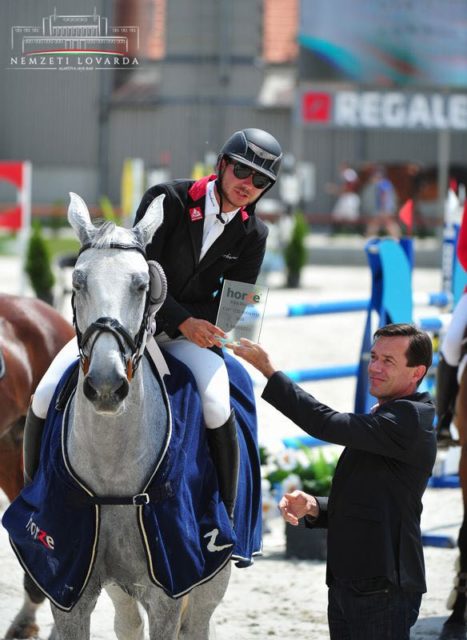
(118, 422)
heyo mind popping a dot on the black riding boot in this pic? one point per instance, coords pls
(446, 392)
(223, 445)
(32, 445)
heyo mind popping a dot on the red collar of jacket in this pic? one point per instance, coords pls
(198, 191)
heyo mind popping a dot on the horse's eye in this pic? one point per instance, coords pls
(140, 282)
(78, 280)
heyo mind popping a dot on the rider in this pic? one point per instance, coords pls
(209, 233)
(450, 353)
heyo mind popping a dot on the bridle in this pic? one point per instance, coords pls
(113, 326)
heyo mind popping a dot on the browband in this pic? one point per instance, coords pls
(114, 245)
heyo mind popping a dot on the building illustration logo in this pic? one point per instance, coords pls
(74, 42)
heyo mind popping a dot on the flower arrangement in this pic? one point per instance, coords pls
(310, 469)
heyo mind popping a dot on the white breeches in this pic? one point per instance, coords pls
(208, 369)
(451, 347)
(46, 387)
(211, 377)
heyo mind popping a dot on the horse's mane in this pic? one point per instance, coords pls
(108, 232)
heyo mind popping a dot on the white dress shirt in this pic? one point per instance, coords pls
(213, 227)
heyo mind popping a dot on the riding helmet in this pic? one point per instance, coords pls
(257, 149)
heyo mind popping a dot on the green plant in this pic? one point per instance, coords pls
(38, 265)
(295, 254)
(8, 244)
(58, 245)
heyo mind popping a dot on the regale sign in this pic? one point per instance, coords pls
(383, 109)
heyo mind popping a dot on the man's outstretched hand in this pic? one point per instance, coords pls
(296, 505)
(254, 354)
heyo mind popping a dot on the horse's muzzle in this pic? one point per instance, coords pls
(106, 396)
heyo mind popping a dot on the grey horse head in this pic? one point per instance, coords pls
(111, 286)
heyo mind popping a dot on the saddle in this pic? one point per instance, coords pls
(54, 523)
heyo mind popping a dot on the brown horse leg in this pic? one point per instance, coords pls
(24, 625)
(455, 628)
(11, 481)
(457, 618)
(11, 460)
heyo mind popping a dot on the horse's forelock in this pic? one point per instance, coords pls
(109, 233)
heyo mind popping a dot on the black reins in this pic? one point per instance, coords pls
(113, 326)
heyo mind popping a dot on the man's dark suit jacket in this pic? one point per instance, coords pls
(374, 508)
(194, 286)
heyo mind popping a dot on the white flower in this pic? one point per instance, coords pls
(291, 483)
(303, 457)
(286, 459)
(269, 506)
(267, 469)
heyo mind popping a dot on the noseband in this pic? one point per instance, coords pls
(113, 326)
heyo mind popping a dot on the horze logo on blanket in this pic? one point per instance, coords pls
(40, 535)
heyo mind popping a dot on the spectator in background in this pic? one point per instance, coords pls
(346, 210)
(380, 205)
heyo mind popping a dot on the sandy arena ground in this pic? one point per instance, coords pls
(279, 598)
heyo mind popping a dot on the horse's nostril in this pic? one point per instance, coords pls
(122, 390)
(89, 391)
(114, 392)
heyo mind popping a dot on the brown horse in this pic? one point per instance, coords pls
(455, 626)
(31, 334)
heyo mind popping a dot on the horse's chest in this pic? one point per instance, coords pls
(120, 554)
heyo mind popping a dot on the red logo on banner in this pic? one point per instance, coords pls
(316, 107)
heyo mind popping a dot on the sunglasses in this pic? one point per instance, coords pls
(241, 171)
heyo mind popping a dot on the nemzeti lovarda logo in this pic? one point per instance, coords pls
(74, 42)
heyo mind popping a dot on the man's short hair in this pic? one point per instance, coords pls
(420, 349)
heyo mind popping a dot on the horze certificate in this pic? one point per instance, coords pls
(241, 310)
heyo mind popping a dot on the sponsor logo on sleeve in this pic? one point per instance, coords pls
(195, 214)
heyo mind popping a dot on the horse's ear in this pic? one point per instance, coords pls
(79, 218)
(151, 221)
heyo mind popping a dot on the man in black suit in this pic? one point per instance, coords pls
(210, 233)
(375, 565)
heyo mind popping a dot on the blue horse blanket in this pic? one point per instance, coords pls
(188, 538)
